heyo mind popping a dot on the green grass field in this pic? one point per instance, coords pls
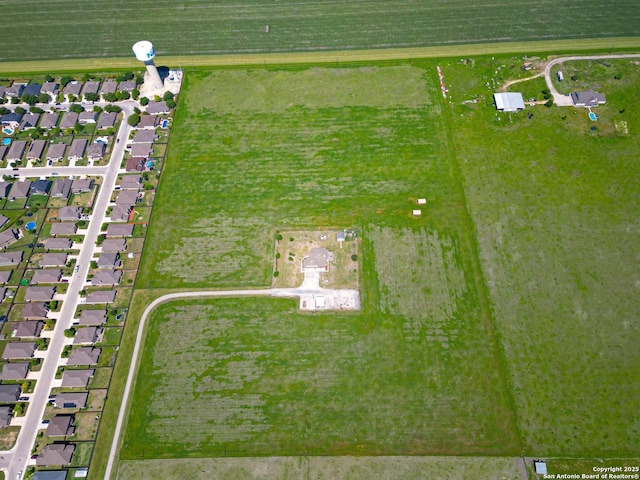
(54, 29)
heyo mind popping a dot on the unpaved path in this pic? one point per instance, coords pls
(508, 83)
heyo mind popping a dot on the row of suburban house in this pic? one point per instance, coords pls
(78, 149)
(75, 88)
(50, 120)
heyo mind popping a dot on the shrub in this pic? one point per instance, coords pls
(134, 119)
(276, 274)
(144, 101)
(354, 257)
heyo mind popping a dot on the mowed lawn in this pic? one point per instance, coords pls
(54, 29)
(556, 207)
(416, 372)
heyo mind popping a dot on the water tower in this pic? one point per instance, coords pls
(145, 53)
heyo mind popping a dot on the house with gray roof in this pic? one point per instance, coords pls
(71, 400)
(76, 378)
(108, 86)
(148, 122)
(317, 259)
(18, 350)
(11, 258)
(11, 119)
(588, 98)
(69, 213)
(19, 189)
(3, 150)
(49, 121)
(88, 335)
(127, 197)
(96, 151)
(57, 244)
(39, 294)
(10, 393)
(15, 90)
(5, 188)
(9, 236)
(141, 150)
(84, 355)
(93, 317)
(78, 146)
(73, 88)
(6, 412)
(28, 329)
(29, 121)
(134, 164)
(101, 296)
(3, 293)
(36, 149)
(56, 153)
(114, 245)
(3, 89)
(120, 213)
(5, 275)
(69, 120)
(157, 108)
(131, 182)
(81, 185)
(3, 220)
(119, 230)
(64, 228)
(85, 118)
(108, 260)
(40, 187)
(32, 89)
(35, 310)
(61, 187)
(90, 87)
(14, 371)
(127, 86)
(144, 136)
(16, 151)
(51, 88)
(55, 454)
(106, 120)
(54, 259)
(60, 426)
(47, 275)
(106, 277)
(50, 475)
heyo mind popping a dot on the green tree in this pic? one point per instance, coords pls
(167, 95)
(65, 80)
(144, 101)
(70, 332)
(112, 108)
(110, 97)
(171, 103)
(44, 98)
(48, 78)
(30, 99)
(4, 110)
(92, 97)
(134, 119)
(36, 110)
(76, 107)
(97, 109)
(20, 110)
(135, 93)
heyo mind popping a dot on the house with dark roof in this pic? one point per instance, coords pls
(69, 213)
(114, 245)
(101, 296)
(40, 187)
(55, 454)
(9, 236)
(106, 277)
(9, 393)
(71, 400)
(64, 228)
(60, 426)
(106, 120)
(73, 88)
(78, 146)
(120, 213)
(18, 350)
(69, 120)
(39, 294)
(84, 355)
(119, 230)
(11, 258)
(81, 185)
(54, 259)
(35, 310)
(148, 122)
(134, 164)
(11, 119)
(16, 151)
(32, 89)
(47, 275)
(28, 329)
(127, 197)
(57, 244)
(49, 121)
(93, 317)
(157, 108)
(88, 335)
(588, 98)
(76, 378)
(96, 151)
(29, 121)
(61, 187)
(14, 371)
(56, 153)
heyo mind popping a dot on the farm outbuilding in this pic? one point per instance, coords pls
(508, 101)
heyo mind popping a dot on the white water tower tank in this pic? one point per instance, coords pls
(145, 52)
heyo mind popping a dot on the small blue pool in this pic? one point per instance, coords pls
(30, 226)
(6, 141)
(164, 123)
(593, 116)
(7, 130)
(150, 164)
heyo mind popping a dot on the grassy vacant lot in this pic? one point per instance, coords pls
(556, 207)
(416, 372)
(37, 29)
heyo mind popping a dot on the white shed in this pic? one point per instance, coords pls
(509, 101)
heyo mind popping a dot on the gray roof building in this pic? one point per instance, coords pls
(29, 121)
(35, 310)
(11, 258)
(15, 90)
(9, 236)
(3, 150)
(16, 151)
(9, 393)
(50, 475)
(12, 119)
(5, 188)
(16, 350)
(14, 371)
(49, 120)
(148, 122)
(69, 120)
(141, 150)
(127, 197)
(106, 277)
(120, 213)
(588, 98)
(131, 182)
(144, 136)
(40, 187)
(73, 88)
(134, 164)
(54, 259)
(119, 230)
(508, 101)
(47, 275)
(32, 89)
(90, 87)
(52, 88)
(108, 86)
(71, 399)
(93, 317)
(81, 185)
(158, 107)
(127, 86)
(84, 355)
(29, 328)
(101, 296)
(106, 120)
(87, 117)
(61, 187)
(56, 152)
(57, 244)
(69, 213)
(318, 259)
(5, 275)
(96, 151)
(114, 245)
(39, 294)
(78, 146)
(60, 426)
(36, 149)
(55, 454)
(6, 412)
(108, 260)
(3, 220)
(64, 228)
(76, 378)
(87, 335)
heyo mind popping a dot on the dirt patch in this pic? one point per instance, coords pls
(8, 437)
